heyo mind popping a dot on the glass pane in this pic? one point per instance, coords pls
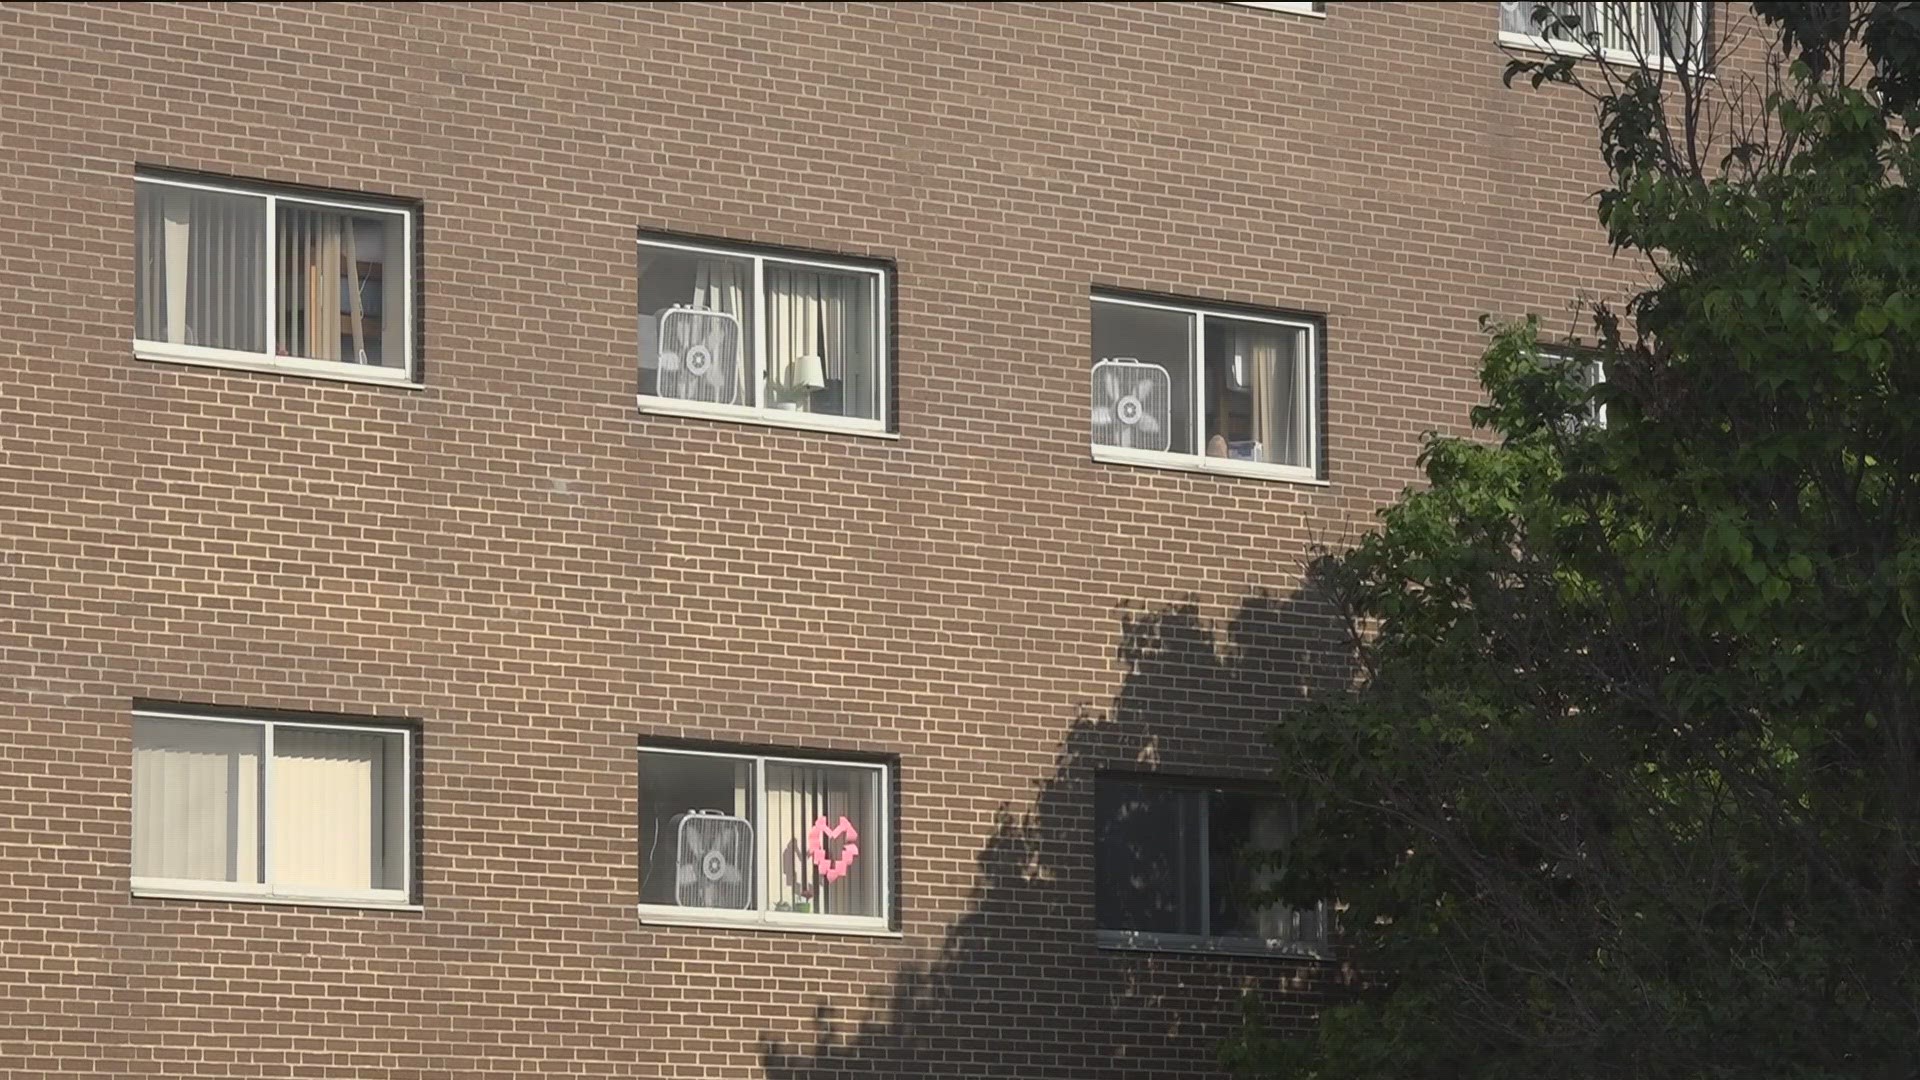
(696, 325)
(696, 831)
(339, 816)
(1142, 378)
(200, 268)
(196, 800)
(1259, 393)
(825, 839)
(341, 284)
(1148, 853)
(823, 341)
(1239, 828)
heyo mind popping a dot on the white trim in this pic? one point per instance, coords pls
(1292, 7)
(1200, 463)
(668, 915)
(751, 414)
(264, 891)
(404, 374)
(233, 360)
(761, 412)
(166, 889)
(1142, 941)
(762, 917)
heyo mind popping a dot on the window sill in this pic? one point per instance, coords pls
(1153, 459)
(1132, 941)
(651, 915)
(746, 414)
(1275, 5)
(278, 365)
(146, 892)
(1549, 47)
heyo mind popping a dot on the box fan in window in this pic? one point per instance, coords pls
(714, 860)
(700, 355)
(1132, 404)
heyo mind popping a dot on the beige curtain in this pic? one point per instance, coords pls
(1278, 380)
(793, 330)
(196, 800)
(334, 822)
(847, 310)
(722, 285)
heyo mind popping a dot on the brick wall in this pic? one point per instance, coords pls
(540, 576)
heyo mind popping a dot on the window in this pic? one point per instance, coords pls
(1659, 33)
(1298, 8)
(735, 333)
(764, 840)
(269, 809)
(259, 278)
(1201, 388)
(1170, 869)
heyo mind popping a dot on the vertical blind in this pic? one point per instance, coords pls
(196, 800)
(200, 259)
(797, 795)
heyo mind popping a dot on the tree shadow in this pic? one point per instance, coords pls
(1020, 987)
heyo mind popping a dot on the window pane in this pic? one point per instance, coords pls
(1142, 378)
(825, 839)
(1259, 393)
(696, 831)
(822, 341)
(1147, 859)
(196, 800)
(1240, 827)
(200, 268)
(341, 284)
(696, 326)
(339, 817)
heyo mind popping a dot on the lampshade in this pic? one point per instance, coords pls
(808, 373)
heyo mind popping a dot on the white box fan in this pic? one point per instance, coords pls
(700, 355)
(1132, 404)
(713, 860)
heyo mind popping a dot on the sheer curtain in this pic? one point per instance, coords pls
(196, 800)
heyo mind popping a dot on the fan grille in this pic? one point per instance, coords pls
(1132, 405)
(700, 356)
(714, 861)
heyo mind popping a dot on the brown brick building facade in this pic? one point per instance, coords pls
(532, 577)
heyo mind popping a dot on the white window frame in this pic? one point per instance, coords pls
(1203, 942)
(1296, 7)
(1582, 49)
(879, 428)
(1200, 462)
(762, 916)
(266, 891)
(239, 359)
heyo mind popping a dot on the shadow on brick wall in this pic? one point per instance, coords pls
(1018, 988)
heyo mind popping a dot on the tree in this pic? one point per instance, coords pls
(1629, 786)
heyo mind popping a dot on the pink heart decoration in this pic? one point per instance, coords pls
(817, 836)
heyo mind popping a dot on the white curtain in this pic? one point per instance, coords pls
(797, 795)
(196, 800)
(335, 823)
(200, 268)
(829, 316)
(1273, 826)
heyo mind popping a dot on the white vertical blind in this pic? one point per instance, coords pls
(329, 808)
(797, 796)
(196, 800)
(200, 265)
